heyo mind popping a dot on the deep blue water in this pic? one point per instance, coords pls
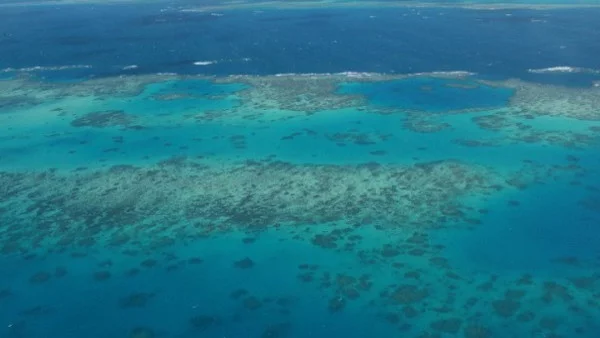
(158, 38)
(430, 95)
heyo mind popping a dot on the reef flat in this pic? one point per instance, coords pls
(345, 118)
(119, 203)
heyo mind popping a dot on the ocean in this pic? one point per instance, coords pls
(299, 169)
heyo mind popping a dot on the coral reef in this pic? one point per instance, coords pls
(245, 263)
(40, 277)
(546, 100)
(63, 209)
(252, 303)
(336, 304)
(142, 332)
(204, 322)
(60, 271)
(407, 294)
(477, 331)
(136, 300)
(356, 137)
(279, 330)
(195, 260)
(420, 124)
(5, 293)
(449, 325)
(103, 119)
(304, 94)
(506, 307)
(101, 276)
(239, 293)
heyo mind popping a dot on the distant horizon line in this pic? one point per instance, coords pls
(320, 4)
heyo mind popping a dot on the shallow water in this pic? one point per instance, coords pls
(454, 204)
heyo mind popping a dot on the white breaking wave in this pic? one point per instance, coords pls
(204, 63)
(44, 68)
(564, 69)
(357, 74)
(347, 74)
(456, 73)
(453, 73)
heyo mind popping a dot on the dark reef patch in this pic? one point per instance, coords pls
(448, 325)
(195, 260)
(336, 304)
(252, 303)
(409, 311)
(279, 330)
(245, 263)
(549, 323)
(204, 322)
(149, 263)
(103, 119)
(142, 332)
(5, 293)
(408, 294)
(525, 317)
(506, 307)
(136, 300)
(421, 125)
(101, 275)
(477, 331)
(132, 272)
(553, 290)
(248, 240)
(60, 271)
(40, 277)
(325, 241)
(239, 293)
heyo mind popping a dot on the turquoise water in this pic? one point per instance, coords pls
(172, 274)
(302, 205)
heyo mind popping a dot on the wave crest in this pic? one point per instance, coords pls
(564, 69)
(455, 73)
(43, 68)
(204, 63)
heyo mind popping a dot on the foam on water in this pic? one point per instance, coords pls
(44, 68)
(204, 63)
(564, 69)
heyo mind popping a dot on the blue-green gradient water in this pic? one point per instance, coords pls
(261, 172)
